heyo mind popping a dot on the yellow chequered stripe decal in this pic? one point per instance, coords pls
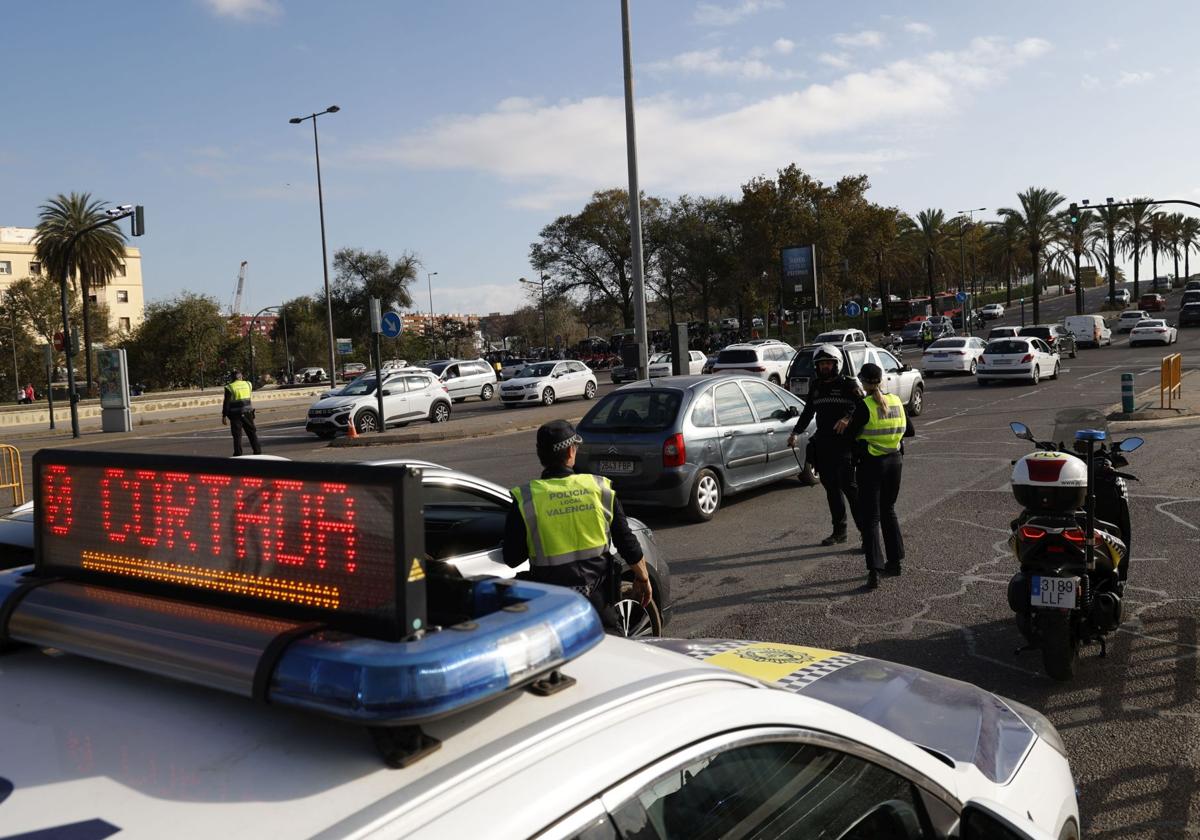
(770, 662)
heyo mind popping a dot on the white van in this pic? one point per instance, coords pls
(1091, 330)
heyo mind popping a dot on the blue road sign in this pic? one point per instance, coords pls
(391, 324)
(961, 297)
(853, 310)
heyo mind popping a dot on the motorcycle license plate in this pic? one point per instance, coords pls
(1053, 592)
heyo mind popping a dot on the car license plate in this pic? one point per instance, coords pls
(615, 467)
(1053, 592)
(941, 356)
(1002, 361)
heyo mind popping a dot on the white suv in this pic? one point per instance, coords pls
(411, 394)
(548, 382)
(768, 360)
(839, 337)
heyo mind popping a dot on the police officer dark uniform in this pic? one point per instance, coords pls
(564, 523)
(831, 399)
(238, 413)
(879, 426)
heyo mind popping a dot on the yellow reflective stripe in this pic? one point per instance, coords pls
(524, 497)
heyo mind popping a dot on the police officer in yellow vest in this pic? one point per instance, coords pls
(878, 427)
(238, 413)
(564, 523)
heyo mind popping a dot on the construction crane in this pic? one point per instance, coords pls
(237, 298)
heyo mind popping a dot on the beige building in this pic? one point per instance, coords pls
(123, 294)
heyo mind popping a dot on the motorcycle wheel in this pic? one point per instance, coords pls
(1059, 649)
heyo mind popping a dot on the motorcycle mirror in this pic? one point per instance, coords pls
(1130, 444)
(1021, 430)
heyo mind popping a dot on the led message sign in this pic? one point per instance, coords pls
(319, 541)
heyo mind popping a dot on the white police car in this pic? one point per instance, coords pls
(214, 648)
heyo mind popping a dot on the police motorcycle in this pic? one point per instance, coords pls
(1072, 542)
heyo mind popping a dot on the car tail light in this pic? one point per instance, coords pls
(1032, 532)
(1028, 357)
(674, 452)
(1160, 330)
(758, 369)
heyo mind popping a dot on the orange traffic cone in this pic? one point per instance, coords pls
(351, 432)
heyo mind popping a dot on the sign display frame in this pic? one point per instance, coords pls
(798, 267)
(225, 532)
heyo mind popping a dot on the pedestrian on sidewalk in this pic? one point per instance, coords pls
(29, 394)
(237, 412)
(831, 398)
(878, 428)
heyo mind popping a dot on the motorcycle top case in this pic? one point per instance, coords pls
(1050, 481)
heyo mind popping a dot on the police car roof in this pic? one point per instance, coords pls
(87, 741)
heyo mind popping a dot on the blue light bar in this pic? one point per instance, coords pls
(1091, 434)
(388, 683)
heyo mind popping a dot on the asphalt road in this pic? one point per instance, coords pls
(1131, 721)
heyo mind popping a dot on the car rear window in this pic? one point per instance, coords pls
(1002, 347)
(737, 357)
(1192, 307)
(650, 410)
(1037, 332)
(948, 342)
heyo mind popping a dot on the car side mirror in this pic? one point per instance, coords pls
(386, 392)
(1130, 444)
(1021, 430)
(905, 368)
(793, 411)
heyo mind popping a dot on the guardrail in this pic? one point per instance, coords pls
(1170, 383)
(11, 475)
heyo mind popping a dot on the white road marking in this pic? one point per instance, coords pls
(1097, 373)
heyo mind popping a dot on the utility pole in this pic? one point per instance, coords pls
(635, 208)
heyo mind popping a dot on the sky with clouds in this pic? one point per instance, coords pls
(468, 125)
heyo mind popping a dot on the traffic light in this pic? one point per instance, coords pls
(137, 222)
(1074, 213)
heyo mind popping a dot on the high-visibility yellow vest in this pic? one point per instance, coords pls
(884, 430)
(566, 519)
(239, 395)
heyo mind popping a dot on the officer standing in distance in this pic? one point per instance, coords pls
(879, 427)
(563, 524)
(238, 414)
(926, 334)
(832, 398)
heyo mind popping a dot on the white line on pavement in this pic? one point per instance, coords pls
(1097, 373)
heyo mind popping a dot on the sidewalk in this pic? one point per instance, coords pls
(1146, 403)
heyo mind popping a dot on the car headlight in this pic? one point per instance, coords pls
(1039, 723)
(530, 385)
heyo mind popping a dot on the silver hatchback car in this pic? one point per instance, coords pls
(688, 441)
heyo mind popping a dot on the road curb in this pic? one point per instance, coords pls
(1147, 411)
(436, 435)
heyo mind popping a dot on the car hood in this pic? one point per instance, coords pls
(334, 401)
(528, 380)
(957, 720)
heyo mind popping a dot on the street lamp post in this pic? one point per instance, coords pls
(542, 285)
(635, 202)
(962, 263)
(332, 109)
(429, 275)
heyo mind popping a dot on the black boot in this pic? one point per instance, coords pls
(892, 569)
(872, 579)
(836, 538)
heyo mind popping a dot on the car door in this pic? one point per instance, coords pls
(776, 424)
(576, 377)
(454, 381)
(696, 362)
(895, 381)
(419, 391)
(743, 449)
(395, 400)
(1045, 357)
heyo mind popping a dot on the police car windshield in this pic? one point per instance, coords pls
(642, 411)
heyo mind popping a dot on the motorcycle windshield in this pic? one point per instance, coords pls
(1071, 420)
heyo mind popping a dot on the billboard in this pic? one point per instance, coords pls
(799, 267)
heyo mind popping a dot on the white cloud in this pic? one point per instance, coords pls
(866, 38)
(480, 298)
(783, 46)
(712, 62)
(838, 61)
(1089, 82)
(1128, 79)
(921, 30)
(714, 14)
(245, 9)
(557, 153)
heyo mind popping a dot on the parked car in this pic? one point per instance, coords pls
(1120, 298)
(952, 355)
(1130, 318)
(730, 324)
(463, 379)
(661, 365)
(768, 360)
(1152, 302)
(1060, 340)
(548, 382)
(311, 374)
(352, 369)
(898, 378)
(1091, 330)
(408, 395)
(1153, 331)
(689, 441)
(1023, 357)
(991, 311)
(1002, 332)
(511, 366)
(839, 337)
(1189, 316)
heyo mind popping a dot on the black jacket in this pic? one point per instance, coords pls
(830, 400)
(583, 574)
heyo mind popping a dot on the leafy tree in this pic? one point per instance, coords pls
(1036, 225)
(1135, 236)
(95, 257)
(1109, 224)
(361, 275)
(183, 341)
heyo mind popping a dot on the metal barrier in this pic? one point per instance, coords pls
(11, 475)
(1170, 380)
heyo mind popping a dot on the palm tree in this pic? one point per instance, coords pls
(1003, 242)
(927, 237)
(1109, 222)
(1189, 238)
(1175, 238)
(1159, 237)
(95, 257)
(1036, 224)
(1077, 239)
(1136, 232)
